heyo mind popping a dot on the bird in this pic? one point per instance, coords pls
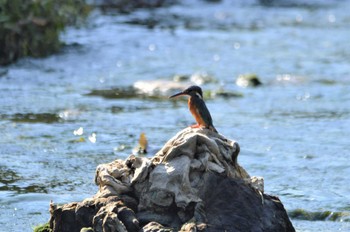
(197, 107)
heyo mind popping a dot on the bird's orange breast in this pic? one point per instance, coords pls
(195, 113)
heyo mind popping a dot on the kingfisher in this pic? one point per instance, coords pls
(197, 107)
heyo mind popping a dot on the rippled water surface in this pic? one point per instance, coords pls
(293, 130)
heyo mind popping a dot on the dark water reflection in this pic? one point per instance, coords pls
(60, 117)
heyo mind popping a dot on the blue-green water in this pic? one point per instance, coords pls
(293, 131)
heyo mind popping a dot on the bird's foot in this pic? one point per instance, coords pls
(196, 126)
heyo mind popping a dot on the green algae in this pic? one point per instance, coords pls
(327, 215)
(125, 93)
(115, 93)
(33, 118)
(32, 28)
(43, 228)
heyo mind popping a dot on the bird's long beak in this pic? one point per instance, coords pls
(178, 94)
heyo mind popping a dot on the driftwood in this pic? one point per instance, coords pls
(193, 183)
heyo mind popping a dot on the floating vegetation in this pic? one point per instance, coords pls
(115, 93)
(33, 118)
(8, 176)
(117, 109)
(326, 81)
(27, 189)
(227, 94)
(9, 182)
(78, 140)
(150, 23)
(319, 216)
(43, 228)
(211, 94)
(128, 108)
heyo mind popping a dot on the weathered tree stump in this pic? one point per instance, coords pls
(193, 183)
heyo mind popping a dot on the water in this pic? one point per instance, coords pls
(293, 131)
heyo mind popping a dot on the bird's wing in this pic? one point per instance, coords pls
(204, 113)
